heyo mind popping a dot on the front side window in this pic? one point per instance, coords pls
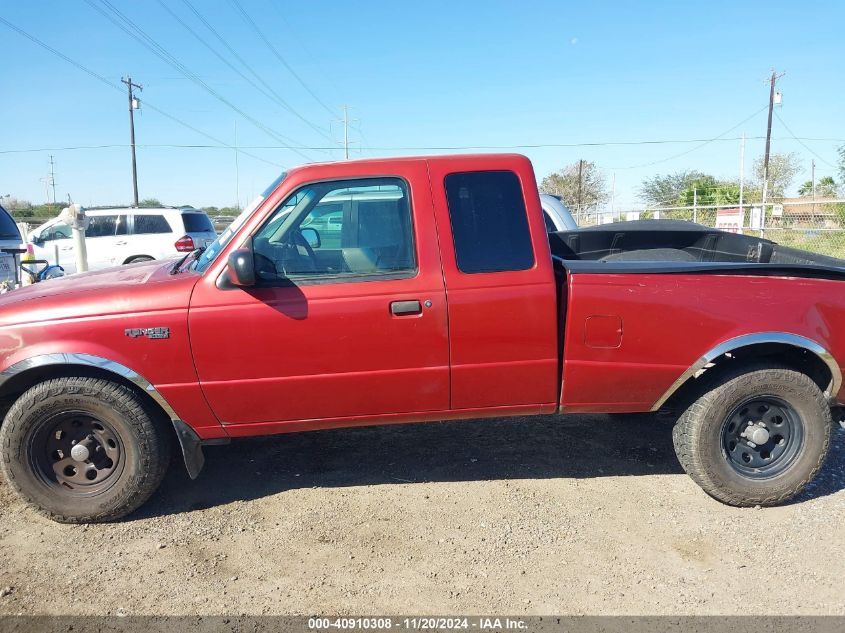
(58, 231)
(489, 222)
(338, 229)
(146, 224)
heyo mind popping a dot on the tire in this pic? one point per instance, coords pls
(714, 437)
(138, 258)
(56, 424)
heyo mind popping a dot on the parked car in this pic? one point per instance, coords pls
(125, 235)
(10, 238)
(556, 215)
(440, 297)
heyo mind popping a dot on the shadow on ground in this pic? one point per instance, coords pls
(577, 446)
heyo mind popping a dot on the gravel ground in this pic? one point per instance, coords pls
(585, 514)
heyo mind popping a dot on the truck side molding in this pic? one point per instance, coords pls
(747, 340)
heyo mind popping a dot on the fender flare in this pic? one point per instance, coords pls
(189, 442)
(786, 338)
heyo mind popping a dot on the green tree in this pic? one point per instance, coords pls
(150, 202)
(707, 190)
(825, 188)
(663, 190)
(589, 193)
(782, 171)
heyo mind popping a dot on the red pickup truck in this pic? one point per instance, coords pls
(416, 289)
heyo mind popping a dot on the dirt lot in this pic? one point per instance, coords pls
(575, 515)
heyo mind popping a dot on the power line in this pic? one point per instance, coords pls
(801, 141)
(278, 55)
(266, 90)
(302, 44)
(114, 86)
(690, 151)
(138, 34)
(222, 145)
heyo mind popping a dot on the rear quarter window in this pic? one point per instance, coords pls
(197, 223)
(146, 224)
(489, 222)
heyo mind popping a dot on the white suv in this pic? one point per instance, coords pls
(125, 235)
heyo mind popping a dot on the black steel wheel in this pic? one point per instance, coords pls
(83, 450)
(77, 452)
(755, 436)
(762, 436)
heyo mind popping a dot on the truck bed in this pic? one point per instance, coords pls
(672, 245)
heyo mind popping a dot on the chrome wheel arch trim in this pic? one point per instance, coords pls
(746, 340)
(90, 360)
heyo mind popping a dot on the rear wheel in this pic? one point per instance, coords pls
(756, 438)
(83, 450)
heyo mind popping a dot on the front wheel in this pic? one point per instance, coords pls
(83, 450)
(756, 438)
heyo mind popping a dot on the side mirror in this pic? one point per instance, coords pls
(311, 237)
(242, 267)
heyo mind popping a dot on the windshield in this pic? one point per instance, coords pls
(211, 253)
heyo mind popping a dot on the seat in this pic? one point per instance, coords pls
(360, 260)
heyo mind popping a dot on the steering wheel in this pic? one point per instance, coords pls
(302, 263)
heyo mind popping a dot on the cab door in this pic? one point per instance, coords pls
(348, 316)
(55, 245)
(503, 313)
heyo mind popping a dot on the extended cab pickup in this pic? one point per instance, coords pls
(416, 289)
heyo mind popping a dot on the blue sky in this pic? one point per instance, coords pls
(416, 74)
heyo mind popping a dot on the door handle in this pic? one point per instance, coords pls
(405, 308)
(120, 243)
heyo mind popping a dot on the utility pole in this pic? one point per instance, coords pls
(773, 80)
(134, 104)
(813, 171)
(53, 178)
(237, 172)
(346, 132)
(580, 182)
(695, 205)
(345, 121)
(613, 197)
(741, 173)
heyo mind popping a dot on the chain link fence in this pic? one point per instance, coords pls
(812, 225)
